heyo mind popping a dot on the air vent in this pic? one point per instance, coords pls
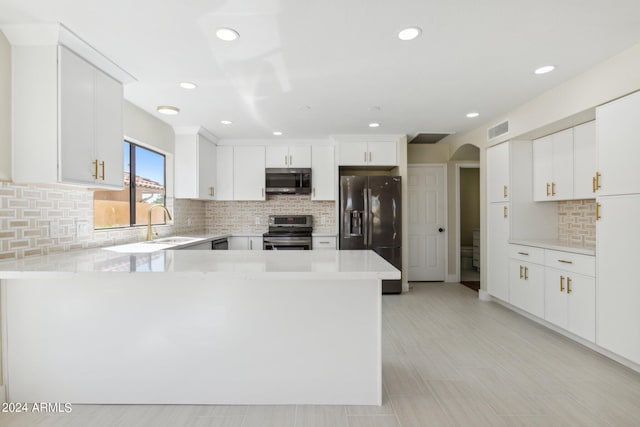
(498, 130)
(428, 138)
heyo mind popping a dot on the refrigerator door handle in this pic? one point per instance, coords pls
(370, 219)
(365, 226)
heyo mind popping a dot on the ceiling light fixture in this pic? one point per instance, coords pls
(168, 110)
(374, 125)
(277, 133)
(188, 85)
(544, 70)
(226, 122)
(472, 115)
(409, 33)
(227, 34)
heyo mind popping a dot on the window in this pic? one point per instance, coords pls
(130, 206)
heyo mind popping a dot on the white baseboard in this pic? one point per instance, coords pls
(452, 278)
(590, 345)
(484, 295)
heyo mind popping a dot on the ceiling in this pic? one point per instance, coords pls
(315, 68)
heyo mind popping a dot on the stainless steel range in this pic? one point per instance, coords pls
(288, 232)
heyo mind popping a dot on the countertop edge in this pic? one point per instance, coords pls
(554, 245)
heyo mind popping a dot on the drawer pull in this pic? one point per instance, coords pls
(324, 242)
(553, 188)
(526, 273)
(521, 276)
(565, 261)
(569, 285)
(523, 253)
(547, 189)
(504, 192)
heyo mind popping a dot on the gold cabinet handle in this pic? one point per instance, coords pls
(598, 211)
(526, 273)
(262, 191)
(598, 180)
(504, 192)
(561, 283)
(593, 184)
(523, 253)
(521, 275)
(569, 285)
(95, 166)
(505, 211)
(564, 261)
(553, 188)
(102, 166)
(548, 188)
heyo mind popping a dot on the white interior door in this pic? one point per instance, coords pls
(427, 222)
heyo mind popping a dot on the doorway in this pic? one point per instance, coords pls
(468, 224)
(427, 216)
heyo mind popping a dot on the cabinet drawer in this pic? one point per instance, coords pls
(575, 263)
(527, 253)
(324, 243)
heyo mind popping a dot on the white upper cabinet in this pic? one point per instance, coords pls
(498, 187)
(248, 173)
(322, 173)
(618, 146)
(553, 167)
(282, 156)
(78, 110)
(224, 172)
(368, 154)
(195, 167)
(584, 160)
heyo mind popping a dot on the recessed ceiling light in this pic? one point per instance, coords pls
(227, 34)
(226, 122)
(472, 115)
(277, 133)
(168, 110)
(188, 85)
(544, 70)
(374, 125)
(409, 33)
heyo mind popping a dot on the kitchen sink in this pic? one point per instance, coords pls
(175, 240)
(143, 247)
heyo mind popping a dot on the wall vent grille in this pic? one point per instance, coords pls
(498, 130)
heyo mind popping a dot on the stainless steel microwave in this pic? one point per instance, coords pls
(288, 180)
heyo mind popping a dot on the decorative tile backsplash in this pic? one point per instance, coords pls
(240, 217)
(577, 222)
(41, 219)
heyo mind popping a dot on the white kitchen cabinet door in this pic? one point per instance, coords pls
(618, 146)
(255, 243)
(498, 251)
(322, 173)
(382, 153)
(498, 173)
(584, 160)
(238, 243)
(562, 183)
(526, 286)
(299, 156)
(542, 168)
(78, 161)
(617, 259)
(206, 169)
(555, 298)
(581, 291)
(224, 172)
(277, 156)
(108, 130)
(353, 154)
(248, 173)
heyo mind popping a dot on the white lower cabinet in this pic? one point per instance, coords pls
(324, 242)
(570, 302)
(252, 243)
(526, 286)
(497, 251)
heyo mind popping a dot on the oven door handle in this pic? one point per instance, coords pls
(287, 240)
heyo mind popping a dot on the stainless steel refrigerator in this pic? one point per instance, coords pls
(370, 218)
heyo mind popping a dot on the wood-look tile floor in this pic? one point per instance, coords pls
(448, 360)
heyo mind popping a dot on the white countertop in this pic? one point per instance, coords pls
(239, 264)
(558, 245)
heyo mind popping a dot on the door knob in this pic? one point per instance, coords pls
(441, 229)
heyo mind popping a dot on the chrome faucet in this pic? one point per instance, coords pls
(149, 233)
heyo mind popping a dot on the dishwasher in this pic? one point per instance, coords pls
(220, 244)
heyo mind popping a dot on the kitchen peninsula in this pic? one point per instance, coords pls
(194, 327)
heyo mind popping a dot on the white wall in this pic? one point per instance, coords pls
(5, 109)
